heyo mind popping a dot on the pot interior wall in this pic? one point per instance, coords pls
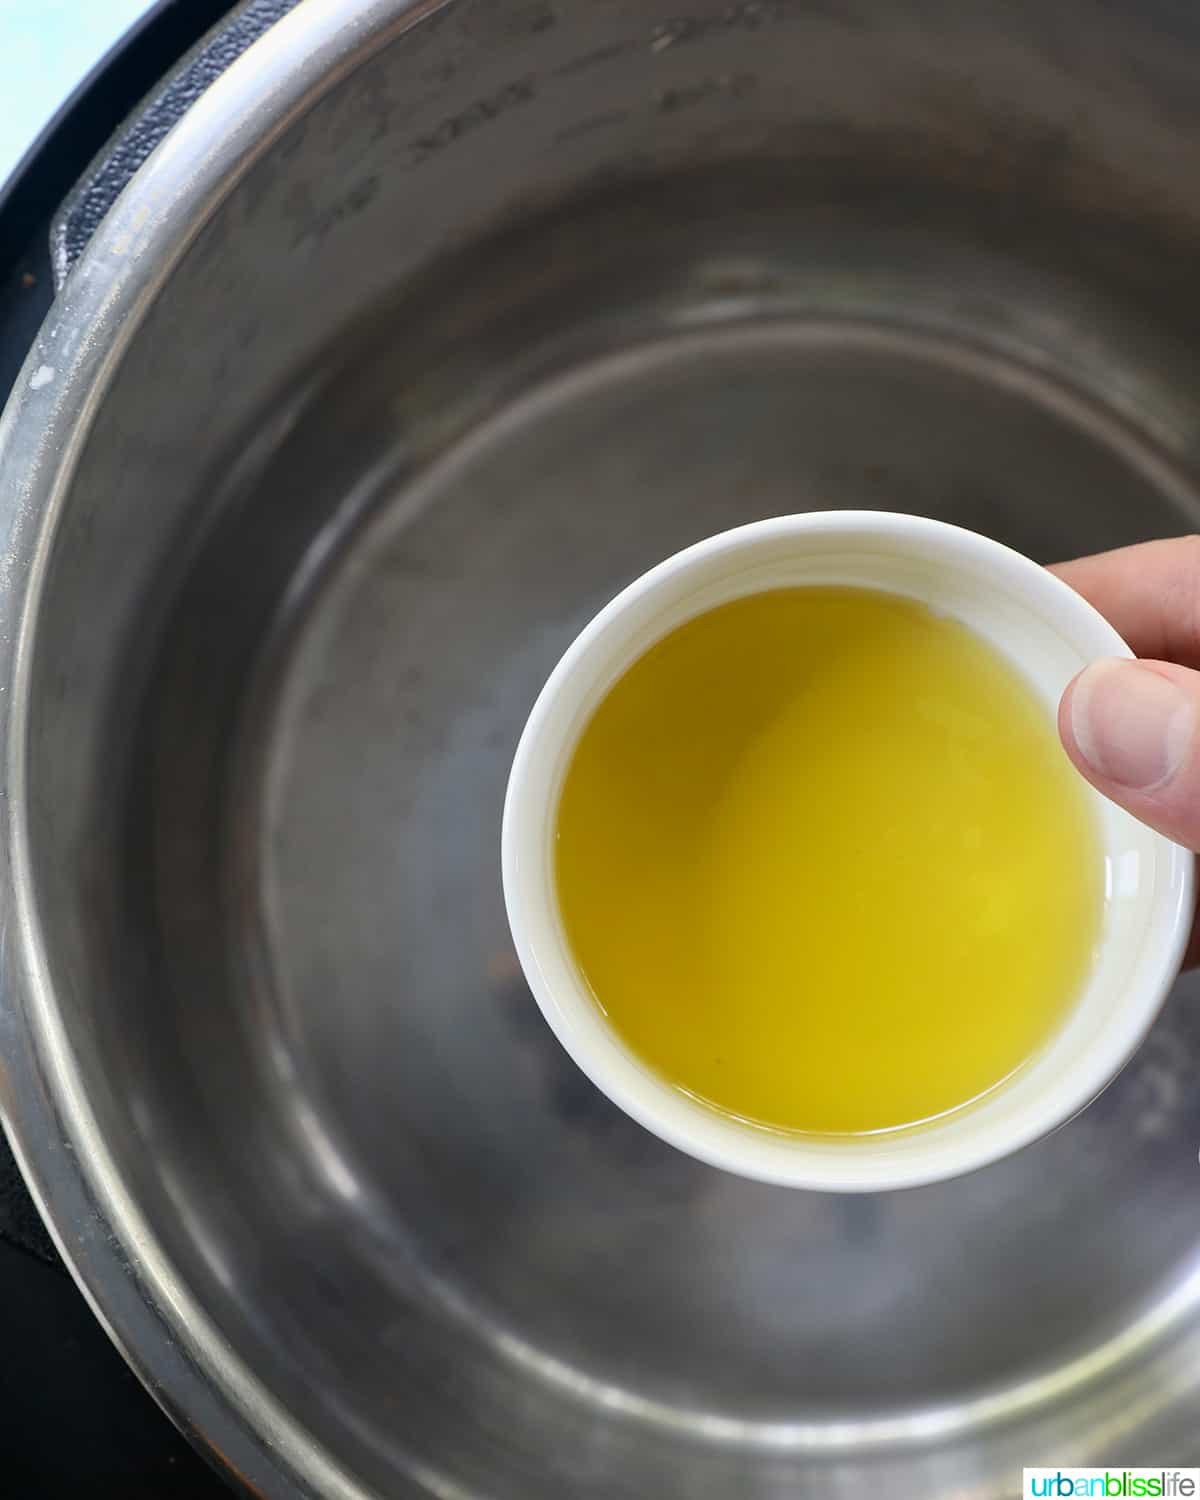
(536, 295)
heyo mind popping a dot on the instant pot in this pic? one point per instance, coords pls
(425, 328)
(73, 1417)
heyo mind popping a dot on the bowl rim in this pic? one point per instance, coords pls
(933, 1151)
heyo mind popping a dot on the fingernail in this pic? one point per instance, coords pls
(1130, 724)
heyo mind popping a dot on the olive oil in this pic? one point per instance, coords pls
(823, 864)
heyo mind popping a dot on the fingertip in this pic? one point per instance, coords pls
(1066, 731)
(1131, 725)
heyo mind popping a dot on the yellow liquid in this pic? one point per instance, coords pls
(823, 864)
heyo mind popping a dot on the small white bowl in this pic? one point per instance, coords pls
(1043, 627)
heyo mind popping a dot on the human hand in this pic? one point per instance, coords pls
(1133, 727)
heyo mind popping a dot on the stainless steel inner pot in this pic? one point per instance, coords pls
(426, 330)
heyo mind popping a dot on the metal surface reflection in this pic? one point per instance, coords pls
(443, 323)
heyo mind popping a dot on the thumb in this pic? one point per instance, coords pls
(1133, 729)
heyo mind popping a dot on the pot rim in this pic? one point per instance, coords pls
(104, 1238)
(99, 1229)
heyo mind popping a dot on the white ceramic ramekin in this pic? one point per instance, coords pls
(1043, 627)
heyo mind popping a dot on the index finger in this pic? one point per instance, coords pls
(1150, 593)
